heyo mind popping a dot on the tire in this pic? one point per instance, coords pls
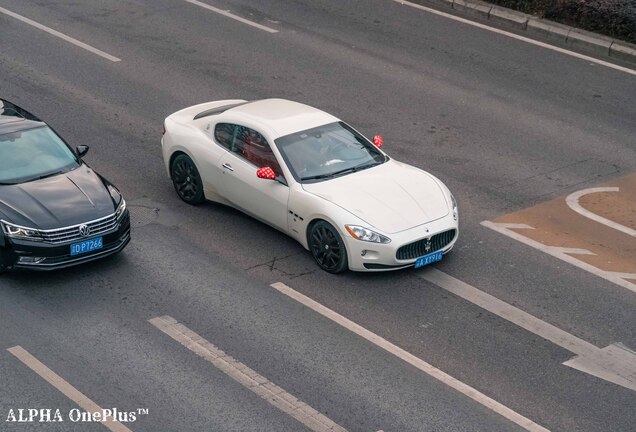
(327, 247)
(186, 180)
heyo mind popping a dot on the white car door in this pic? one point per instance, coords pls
(262, 198)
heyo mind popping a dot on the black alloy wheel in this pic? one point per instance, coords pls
(186, 180)
(327, 247)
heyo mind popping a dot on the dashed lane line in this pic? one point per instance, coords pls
(232, 16)
(409, 358)
(247, 377)
(59, 35)
(63, 386)
(572, 201)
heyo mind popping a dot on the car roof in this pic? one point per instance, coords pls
(281, 116)
(13, 118)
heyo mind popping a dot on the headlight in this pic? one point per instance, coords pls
(454, 203)
(121, 208)
(365, 234)
(122, 203)
(17, 231)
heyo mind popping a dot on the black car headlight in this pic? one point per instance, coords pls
(121, 208)
(17, 231)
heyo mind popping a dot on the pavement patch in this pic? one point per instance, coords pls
(144, 211)
(589, 237)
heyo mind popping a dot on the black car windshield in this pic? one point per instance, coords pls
(327, 151)
(32, 154)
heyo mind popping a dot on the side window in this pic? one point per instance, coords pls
(254, 147)
(223, 134)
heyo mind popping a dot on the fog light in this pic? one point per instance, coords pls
(363, 253)
(30, 260)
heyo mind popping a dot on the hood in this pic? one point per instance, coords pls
(391, 197)
(77, 196)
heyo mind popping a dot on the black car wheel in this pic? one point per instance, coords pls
(186, 180)
(327, 247)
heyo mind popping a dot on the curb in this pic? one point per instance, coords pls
(570, 36)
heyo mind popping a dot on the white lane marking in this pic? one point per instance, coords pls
(60, 35)
(409, 358)
(63, 386)
(245, 376)
(234, 17)
(572, 201)
(521, 38)
(561, 253)
(615, 363)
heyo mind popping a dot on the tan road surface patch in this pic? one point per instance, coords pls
(557, 225)
(619, 207)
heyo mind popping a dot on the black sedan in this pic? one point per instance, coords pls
(55, 211)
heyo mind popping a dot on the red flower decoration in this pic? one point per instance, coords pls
(377, 141)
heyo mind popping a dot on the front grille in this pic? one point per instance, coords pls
(72, 233)
(418, 248)
(108, 248)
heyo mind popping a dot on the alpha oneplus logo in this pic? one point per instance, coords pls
(47, 415)
(84, 230)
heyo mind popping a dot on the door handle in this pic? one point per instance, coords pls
(228, 167)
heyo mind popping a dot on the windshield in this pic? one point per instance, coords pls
(327, 151)
(32, 154)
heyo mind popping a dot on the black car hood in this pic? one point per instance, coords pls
(74, 197)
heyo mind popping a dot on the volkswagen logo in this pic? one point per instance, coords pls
(84, 230)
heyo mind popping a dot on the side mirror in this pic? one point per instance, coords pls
(266, 173)
(378, 141)
(81, 150)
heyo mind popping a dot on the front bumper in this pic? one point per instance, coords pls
(369, 257)
(57, 256)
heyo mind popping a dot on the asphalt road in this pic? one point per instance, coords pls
(505, 124)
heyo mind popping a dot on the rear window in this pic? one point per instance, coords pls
(224, 134)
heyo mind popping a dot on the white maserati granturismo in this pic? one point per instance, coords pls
(313, 177)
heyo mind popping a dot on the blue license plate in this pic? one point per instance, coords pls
(87, 246)
(429, 259)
